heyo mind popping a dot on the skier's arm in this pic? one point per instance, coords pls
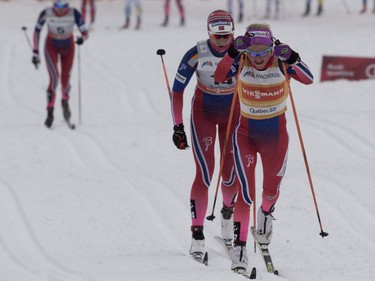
(296, 68)
(38, 27)
(80, 24)
(224, 69)
(301, 72)
(185, 71)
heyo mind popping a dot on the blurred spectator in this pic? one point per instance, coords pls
(240, 9)
(128, 12)
(91, 4)
(268, 9)
(167, 9)
(308, 8)
(364, 8)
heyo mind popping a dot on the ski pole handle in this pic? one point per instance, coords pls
(161, 53)
(24, 28)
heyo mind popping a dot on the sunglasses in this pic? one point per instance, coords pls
(218, 36)
(61, 5)
(259, 54)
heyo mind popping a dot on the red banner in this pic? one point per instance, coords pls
(349, 68)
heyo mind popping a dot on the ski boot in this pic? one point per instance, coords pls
(138, 25)
(49, 119)
(66, 110)
(227, 225)
(240, 17)
(307, 11)
(126, 24)
(166, 20)
(197, 250)
(239, 257)
(264, 226)
(320, 10)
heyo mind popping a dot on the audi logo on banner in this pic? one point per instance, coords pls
(348, 68)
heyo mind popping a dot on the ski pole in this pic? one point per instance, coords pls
(255, 217)
(24, 28)
(212, 216)
(79, 86)
(161, 53)
(322, 233)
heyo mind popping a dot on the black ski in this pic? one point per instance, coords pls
(228, 248)
(200, 257)
(70, 125)
(66, 114)
(264, 251)
(248, 274)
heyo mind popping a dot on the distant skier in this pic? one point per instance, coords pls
(308, 8)
(167, 9)
(210, 110)
(268, 9)
(128, 12)
(240, 9)
(59, 45)
(91, 4)
(364, 7)
(261, 130)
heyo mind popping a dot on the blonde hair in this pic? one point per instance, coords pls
(261, 26)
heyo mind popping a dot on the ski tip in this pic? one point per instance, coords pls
(205, 259)
(71, 125)
(248, 274)
(276, 272)
(199, 257)
(253, 273)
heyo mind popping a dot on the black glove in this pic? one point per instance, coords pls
(35, 60)
(232, 52)
(179, 137)
(79, 41)
(294, 58)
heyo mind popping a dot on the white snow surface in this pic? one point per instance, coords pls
(109, 201)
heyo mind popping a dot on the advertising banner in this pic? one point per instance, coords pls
(349, 68)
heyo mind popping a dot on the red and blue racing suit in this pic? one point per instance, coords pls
(210, 109)
(59, 45)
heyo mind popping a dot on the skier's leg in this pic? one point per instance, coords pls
(181, 11)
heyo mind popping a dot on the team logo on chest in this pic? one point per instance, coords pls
(207, 63)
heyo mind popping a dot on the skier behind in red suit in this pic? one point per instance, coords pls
(210, 111)
(59, 46)
(262, 91)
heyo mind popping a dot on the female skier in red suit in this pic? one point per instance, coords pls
(59, 45)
